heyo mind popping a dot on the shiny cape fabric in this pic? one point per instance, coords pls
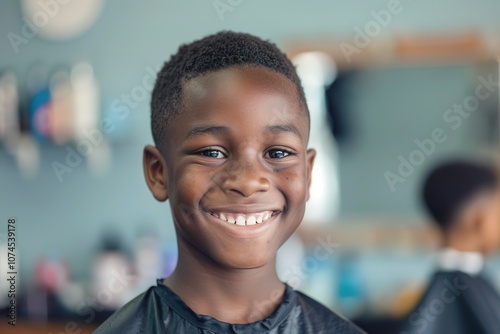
(160, 310)
(457, 303)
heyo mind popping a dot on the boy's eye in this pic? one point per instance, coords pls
(277, 154)
(213, 154)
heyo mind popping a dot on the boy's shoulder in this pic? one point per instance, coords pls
(322, 318)
(160, 310)
(137, 316)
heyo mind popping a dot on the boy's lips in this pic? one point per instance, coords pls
(243, 226)
(243, 215)
(244, 219)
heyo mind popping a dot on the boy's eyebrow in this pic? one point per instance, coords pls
(209, 129)
(217, 130)
(290, 128)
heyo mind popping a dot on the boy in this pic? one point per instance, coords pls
(230, 125)
(463, 199)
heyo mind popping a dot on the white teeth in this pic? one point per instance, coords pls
(251, 220)
(244, 219)
(240, 220)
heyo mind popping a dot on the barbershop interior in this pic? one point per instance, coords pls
(404, 110)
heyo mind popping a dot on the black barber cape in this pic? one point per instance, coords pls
(160, 310)
(458, 303)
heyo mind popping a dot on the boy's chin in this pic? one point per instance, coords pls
(243, 262)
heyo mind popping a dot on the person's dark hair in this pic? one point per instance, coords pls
(215, 52)
(453, 184)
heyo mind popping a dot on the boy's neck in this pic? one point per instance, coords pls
(236, 296)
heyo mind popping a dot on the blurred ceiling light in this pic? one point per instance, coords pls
(317, 70)
(85, 100)
(61, 19)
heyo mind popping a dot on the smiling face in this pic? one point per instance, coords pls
(236, 167)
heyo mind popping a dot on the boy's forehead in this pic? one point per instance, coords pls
(240, 88)
(235, 77)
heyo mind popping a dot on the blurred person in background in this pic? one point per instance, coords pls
(463, 199)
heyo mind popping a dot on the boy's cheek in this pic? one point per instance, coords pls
(190, 177)
(296, 186)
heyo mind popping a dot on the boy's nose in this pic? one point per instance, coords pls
(245, 180)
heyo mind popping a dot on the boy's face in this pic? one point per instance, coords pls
(238, 155)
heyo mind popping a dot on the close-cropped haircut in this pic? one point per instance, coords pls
(452, 185)
(215, 52)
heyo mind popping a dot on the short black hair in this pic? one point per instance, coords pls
(452, 184)
(215, 52)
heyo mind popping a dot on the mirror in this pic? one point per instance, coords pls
(397, 109)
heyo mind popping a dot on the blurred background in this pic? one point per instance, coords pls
(393, 86)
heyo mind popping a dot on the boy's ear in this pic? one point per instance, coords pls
(155, 172)
(310, 155)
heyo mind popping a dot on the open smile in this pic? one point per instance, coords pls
(243, 219)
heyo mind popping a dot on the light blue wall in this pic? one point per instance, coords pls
(129, 36)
